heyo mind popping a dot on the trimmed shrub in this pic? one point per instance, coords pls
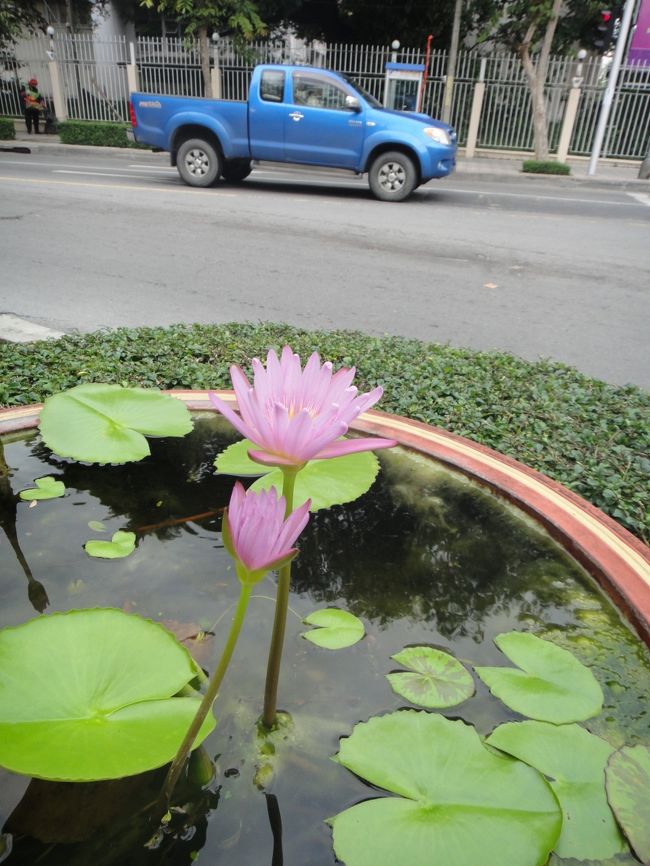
(537, 166)
(98, 133)
(7, 129)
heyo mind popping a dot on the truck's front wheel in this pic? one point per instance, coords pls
(392, 176)
(198, 162)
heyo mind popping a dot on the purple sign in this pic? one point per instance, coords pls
(640, 45)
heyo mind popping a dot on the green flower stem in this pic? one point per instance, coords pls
(280, 619)
(208, 699)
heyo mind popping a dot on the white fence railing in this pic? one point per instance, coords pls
(94, 77)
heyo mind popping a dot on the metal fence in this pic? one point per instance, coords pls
(95, 82)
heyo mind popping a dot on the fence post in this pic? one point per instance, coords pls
(132, 71)
(568, 123)
(475, 114)
(60, 104)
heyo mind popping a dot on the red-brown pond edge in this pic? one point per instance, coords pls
(618, 560)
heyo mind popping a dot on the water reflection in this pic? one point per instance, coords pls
(36, 592)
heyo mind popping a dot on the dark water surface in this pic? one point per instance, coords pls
(425, 557)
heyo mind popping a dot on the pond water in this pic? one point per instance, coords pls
(426, 557)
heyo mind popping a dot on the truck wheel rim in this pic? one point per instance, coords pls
(392, 176)
(197, 162)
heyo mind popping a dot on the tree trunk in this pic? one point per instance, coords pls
(536, 74)
(204, 52)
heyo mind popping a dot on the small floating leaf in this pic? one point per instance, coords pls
(457, 803)
(335, 629)
(90, 694)
(628, 792)
(325, 482)
(108, 423)
(96, 526)
(47, 487)
(121, 544)
(574, 760)
(437, 679)
(552, 685)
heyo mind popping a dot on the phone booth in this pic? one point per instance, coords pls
(403, 86)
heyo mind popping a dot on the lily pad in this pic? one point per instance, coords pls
(552, 685)
(436, 679)
(96, 526)
(335, 629)
(574, 761)
(121, 545)
(47, 487)
(628, 792)
(457, 802)
(325, 482)
(89, 695)
(108, 423)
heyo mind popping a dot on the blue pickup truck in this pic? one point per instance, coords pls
(296, 114)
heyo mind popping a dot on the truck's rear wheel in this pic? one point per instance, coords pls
(392, 176)
(198, 162)
(235, 170)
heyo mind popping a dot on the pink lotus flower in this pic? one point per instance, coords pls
(257, 535)
(295, 415)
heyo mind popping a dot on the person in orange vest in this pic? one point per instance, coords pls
(34, 105)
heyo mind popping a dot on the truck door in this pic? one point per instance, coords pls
(266, 115)
(319, 127)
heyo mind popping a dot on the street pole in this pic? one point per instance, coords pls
(451, 64)
(612, 79)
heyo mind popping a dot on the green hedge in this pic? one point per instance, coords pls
(100, 134)
(7, 129)
(536, 166)
(590, 436)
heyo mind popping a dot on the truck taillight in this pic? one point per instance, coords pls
(134, 122)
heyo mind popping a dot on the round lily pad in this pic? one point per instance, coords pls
(456, 804)
(335, 629)
(550, 685)
(121, 545)
(574, 761)
(435, 678)
(47, 487)
(89, 695)
(108, 423)
(325, 482)
(628, 793)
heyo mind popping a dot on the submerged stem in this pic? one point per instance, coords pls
(208, 699)
(280, 618)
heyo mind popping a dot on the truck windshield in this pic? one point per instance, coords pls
(370, 99)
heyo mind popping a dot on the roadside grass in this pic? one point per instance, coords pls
(592, 437)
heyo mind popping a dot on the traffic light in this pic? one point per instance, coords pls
(606, 30)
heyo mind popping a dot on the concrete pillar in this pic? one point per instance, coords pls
(474, 119)
(132, 77)
(215, 75)
(568, 123)
(58, 94)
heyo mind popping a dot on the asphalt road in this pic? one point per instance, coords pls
(538, 267)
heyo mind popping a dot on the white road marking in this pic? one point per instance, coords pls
(528, 196)
(17, 330)
(93, 173)
(643, 197)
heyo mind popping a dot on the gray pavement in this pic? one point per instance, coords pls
(489, 165)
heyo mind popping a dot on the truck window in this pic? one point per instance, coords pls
(272, 85)
(312, 90)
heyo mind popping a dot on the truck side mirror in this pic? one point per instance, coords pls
(352, 103)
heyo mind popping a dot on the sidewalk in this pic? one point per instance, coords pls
(488, 165)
